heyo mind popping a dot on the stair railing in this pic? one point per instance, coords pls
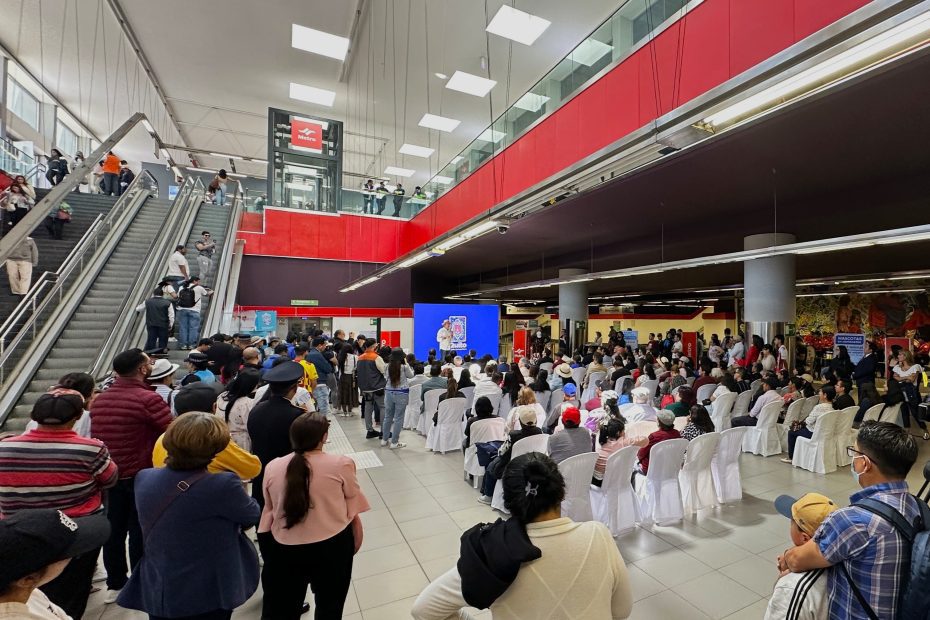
(225, 283)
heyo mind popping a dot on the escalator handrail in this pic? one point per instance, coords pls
(221, 283)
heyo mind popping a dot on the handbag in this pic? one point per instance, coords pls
(486, 451)
(64, 216)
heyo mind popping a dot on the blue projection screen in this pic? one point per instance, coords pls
(475, 327)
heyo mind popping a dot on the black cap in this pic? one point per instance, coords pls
(197, 396)
(318, 341)
(197, 357)
(242, 336)
(30, 540)
(287, 372)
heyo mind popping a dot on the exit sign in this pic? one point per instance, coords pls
(305, 302)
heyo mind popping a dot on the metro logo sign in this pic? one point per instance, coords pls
(306, 135)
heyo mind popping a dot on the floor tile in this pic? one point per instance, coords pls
(756, 573)
(641, 584)
(715, 552)
(716, 595)
(378, 537)
(435, 568)
(753, 538)
(665, 605)
(408, 496)
(673, 567)
(377, 518)
(480, 513)
(377, 561)
(441, 477)
(422, 508)
(430, 526)
(753, 612)
(388, 587)
(638, 544)
(434, 547)
(398, 610)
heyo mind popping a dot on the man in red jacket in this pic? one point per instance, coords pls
(128, 417)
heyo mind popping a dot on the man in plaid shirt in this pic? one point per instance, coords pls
(867, 545)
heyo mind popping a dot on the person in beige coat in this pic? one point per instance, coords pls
(19, 266)
(537, 564)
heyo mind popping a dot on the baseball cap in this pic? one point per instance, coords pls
(808, 511)
(527, 414)
(570, 389)
(30, 540)
(666, 417)
(197, 396)
(571, 414)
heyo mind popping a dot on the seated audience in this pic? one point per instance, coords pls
(555, 411)
(526, 398)
(484, 410)
(843, 399)
(685, 398)
(541, 383)
(612, 438)
(699, 422)
(549, 562)
(769, 395)
(642, 409)
(806, 428)
(666, 422)
(572, 440)
(868, 398)
(528, 428)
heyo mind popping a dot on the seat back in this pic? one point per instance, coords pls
(595, 377)
(690, 381)
(825, 427)
(451, 411)
(577, 472)
(491, 429)
(728, 448)
(809, 403)
(504, 406)
(681, 422)
(641, 429)
(873, 412)
(469, 393)
(578, 374)
(891, 414)
(700, 452)
(619, 469)
(721, 410)
(535, 443)
(741, 406)
(725, 465)
(547, 366)
(651, 385)
(769, 414)
(795, 409)
(618, 384)
(431, 403)
(665, 459)
(543, 399)
(844, 419)
(754, 386)
(495, 398)
(555, 397)
(417, 380)
(414, 402)
(704, 392)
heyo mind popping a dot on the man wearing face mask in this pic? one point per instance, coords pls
(128, 418)
(866, 551)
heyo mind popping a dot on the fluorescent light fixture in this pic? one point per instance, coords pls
(589, 52)
(442, 180)
(492, 135)
(531, 102)
(834, 248)
(456, 159)
(441, 76)
(470, 84)
(448, 244)
(235, 175)
(226, 156)
(319, 42)
(516, 25)
(577, 280)
(480, 229)
(413, 260)
(311, 94)
(441, 123)
(399, 172)
(855, 57)
(416, 151)
(368, 281)
(148, 126)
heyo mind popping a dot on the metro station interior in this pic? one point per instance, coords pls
(551, 182)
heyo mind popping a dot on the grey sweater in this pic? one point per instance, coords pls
(569, 442)
(26, 250)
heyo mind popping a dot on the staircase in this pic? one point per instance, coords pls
(76, 347)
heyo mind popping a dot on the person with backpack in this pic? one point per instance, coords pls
(189, 296)
(879, 540)
(159, 319)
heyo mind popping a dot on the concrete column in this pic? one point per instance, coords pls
(769, 287)
(573, 302)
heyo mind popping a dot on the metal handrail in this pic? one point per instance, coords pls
(213, 321)
(49, 284)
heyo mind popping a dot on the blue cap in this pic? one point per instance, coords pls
(570, 389)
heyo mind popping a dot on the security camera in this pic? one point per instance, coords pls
(503, 228)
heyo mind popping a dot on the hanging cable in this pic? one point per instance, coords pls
(654, 61)
(61, 47)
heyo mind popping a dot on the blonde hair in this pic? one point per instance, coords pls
(526, 396)
(193, 439)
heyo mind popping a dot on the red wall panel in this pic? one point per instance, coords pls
(713, 43)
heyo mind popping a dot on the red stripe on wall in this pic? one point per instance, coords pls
(715, 42)
(290, 311)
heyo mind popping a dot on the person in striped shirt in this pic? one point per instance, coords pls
(54, 467)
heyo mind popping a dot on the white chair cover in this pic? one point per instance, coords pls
(614, 504)
(414, 407)
(651, 385)
(873, 412)
(430, 406)
(725, 465)
(578, 471)
(893, 414)
(555, 397)
(642, 429)
(618, 384)
(809, 403)
(763, 437)
(845, 434)
(578, 374)
(754, 386)
(818, 453)
(680, 423)
(704, 392)
(695, 477)
(721, 410)
(543, 399)
(741, 407)
(504, 406)
(447, 435)
(658, 492)
(547, 366)
(689, 381)
(495, 398)
(792, 415)
(469, 393)
(457, 372)
(482, 431)
(536, 443)
(590, 391)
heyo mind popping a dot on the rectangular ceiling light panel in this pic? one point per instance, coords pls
(311, 94)
(589, 52)
(416, 151)
(319, 42)
(531, 102)
(399, 172)
(470, 84)
(518, 26)
(492, 135)
(441, 123)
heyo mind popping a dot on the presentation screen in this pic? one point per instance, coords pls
(473, 327)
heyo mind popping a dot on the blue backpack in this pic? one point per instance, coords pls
(914, 596)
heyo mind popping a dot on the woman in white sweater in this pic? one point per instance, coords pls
(535, 565)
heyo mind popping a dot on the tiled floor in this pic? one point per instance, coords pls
(718, 564)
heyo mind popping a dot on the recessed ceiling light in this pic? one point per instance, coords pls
(441, 76)
(457, 159)
(311, 94)
(518, 26)
(319, 42)
(416, 151)
(589, 52)
(531, 102)
(399, 172)
(470, 84)
(492, 135)
(432, 121)
(442, 180)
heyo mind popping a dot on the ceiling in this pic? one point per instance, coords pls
(850, 161)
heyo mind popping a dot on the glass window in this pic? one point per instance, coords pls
(22, 103)
(66, 140)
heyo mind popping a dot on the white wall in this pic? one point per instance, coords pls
(354, 324)
(405, 326)
(363, 325)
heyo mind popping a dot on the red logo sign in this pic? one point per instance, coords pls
(306, 134)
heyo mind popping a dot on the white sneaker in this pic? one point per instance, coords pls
(384, 443)
(484, 499)
(397, 445)
(111, 596)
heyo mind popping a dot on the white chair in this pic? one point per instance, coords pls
(555, 397)
(651, 385)
(614, 504)
(577, 472)
(495, 398)
(547, 366)
(893, 414)
(504, 406)
(578, 375)
(695, 477)
(704, 392)
(793, 414)
(754, 386)
(535, 443)
(457, 372)
(590, 391)
(681, 422)
(725, 465)
(845, 434)
(543, 398)
(873, 412)
(809, 403)
(482, 431)
(658, 492)
(641, 429)
(741, 406)
(618, 384)
(469, 393)
(689, 381)
(447, 435)
(763, 437)
(414, 407)
(721, 410)
(430, 406)
(817, 454)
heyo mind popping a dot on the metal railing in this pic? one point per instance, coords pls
(226, 283)
(51, 286)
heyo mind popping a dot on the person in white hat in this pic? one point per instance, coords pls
(162, 378)
(642, 409)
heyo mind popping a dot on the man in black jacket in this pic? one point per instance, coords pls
(866, 367)
(843, 399)
(159, 317)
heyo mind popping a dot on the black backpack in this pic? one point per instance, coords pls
(186, 297)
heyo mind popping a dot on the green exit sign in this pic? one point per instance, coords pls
(305, 302)
(373, 321)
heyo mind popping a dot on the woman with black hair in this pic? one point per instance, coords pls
(465, 380)
(396, 398)
(612, 437)
(513, 381)
(699, 423)
(841, 364)
(535, 562)
(348, 392)
(541, 383)
(312, 507)
(235, 404)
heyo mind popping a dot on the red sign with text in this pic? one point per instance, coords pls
(391, 339)
(689, 346)
(306, 134)
(521, 340)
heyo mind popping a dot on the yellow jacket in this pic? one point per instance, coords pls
(232, 458)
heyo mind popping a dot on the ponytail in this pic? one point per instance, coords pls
(297, 502)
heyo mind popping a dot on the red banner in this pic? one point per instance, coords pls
(306, 134)
(689, 346)
(521, 342)
(391, 339)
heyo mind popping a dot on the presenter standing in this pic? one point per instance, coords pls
(444, 338)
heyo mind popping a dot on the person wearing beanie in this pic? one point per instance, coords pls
(572, 440)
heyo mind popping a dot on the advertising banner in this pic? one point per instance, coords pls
(266, 321)
(306, 134)
(521, 343)
(689, 345)
(854, 343)
(473, 327)
(631, 337)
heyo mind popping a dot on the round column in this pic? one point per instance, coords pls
(573, 304)
(768, 288)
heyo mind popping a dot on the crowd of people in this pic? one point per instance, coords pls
(167, 456)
